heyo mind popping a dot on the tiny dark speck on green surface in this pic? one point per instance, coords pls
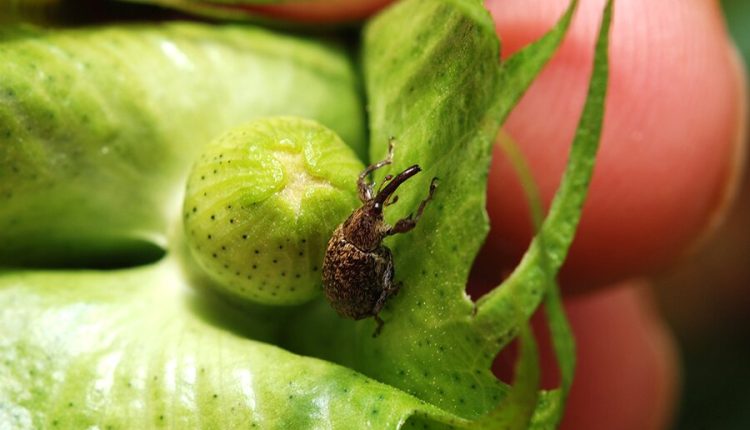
(215, 396)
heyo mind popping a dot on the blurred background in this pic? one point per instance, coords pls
(706, 300)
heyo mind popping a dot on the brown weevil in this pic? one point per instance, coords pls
(358, 269)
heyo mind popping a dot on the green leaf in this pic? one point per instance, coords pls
(516, 411)
(18, 10)
(98, 127)
(551, 406)
(527, 284)
(136, 349)
(149, 348)
(519, 71)
(441, 117)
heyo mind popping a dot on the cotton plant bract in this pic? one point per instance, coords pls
(146, 346)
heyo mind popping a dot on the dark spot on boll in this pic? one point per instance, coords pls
(231, 221)
(214, 255)
(255, 266)
(257, 252)
(213, 217)
(195, 209)
(244, 237)
(209, 237)
(275, 261)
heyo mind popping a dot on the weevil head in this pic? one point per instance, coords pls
(366, 228)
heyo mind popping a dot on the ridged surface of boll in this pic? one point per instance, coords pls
(261, 203)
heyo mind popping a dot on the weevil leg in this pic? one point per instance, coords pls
(408, 223)
(384, 296)
(379, 328)
(363, 185)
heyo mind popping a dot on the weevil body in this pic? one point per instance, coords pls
(358, 269)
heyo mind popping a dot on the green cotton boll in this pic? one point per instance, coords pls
(99, 126)
(261, 203)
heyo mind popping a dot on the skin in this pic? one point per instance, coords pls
(671, 151)
(626, 378)
(321, 11)
(671, 154)
(645, 139)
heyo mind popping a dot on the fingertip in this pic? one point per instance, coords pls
(321, 11)
(671, 149)
(627, 373)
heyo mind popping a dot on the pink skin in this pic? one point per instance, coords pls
(627, 363)
(627, 374)
(671, 149)
(320, 11)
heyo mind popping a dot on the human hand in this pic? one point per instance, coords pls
(671, 154)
